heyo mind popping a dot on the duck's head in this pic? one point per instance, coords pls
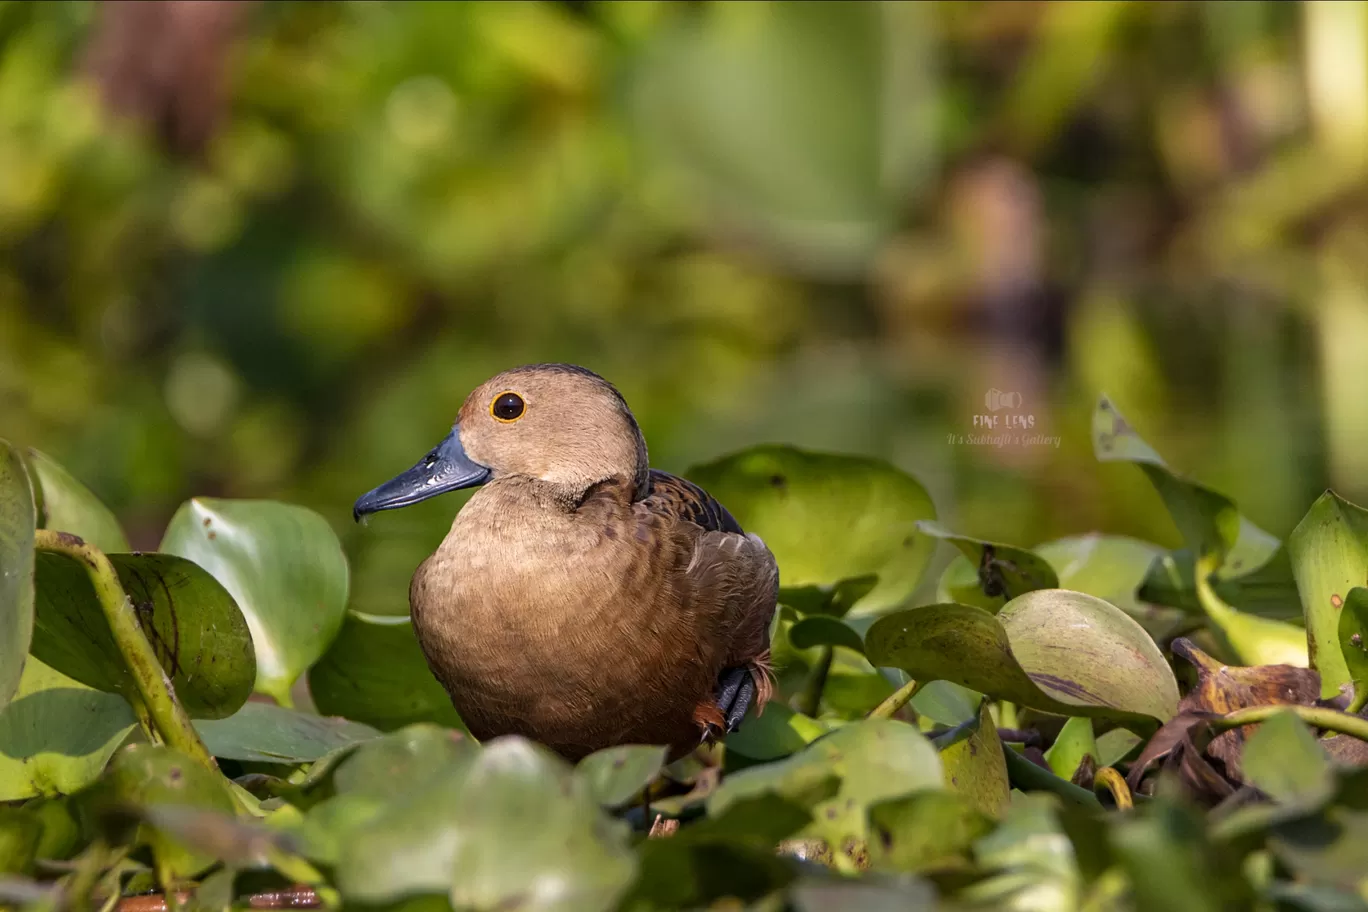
(557, 423)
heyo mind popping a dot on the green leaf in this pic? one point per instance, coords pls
(997, 573)
(870, 893)
(143, 775)
(617, 775)
(1171, 866)
(821, 630)
(66, 505)
(827, 517)
(516, 826)
(946, 702)
(265, 733)
(731, 855)
(1214, 530)
(1329, 550)
(975, 767)
(1031, 860)
(1207, 520)
(1110, 567)
(1115, 745)
(20, 833)
(58, 734)
(285, 568)
(1075, 741)
(926, 830)
(375, 673)
(1283, 759)
(195, 628)
(388, 767)
(874, 758)
(1053, 650)
(16, 569)
(777, 732)
(1353, 636)
(1268, 591)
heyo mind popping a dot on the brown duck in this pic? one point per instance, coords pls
(582, 598)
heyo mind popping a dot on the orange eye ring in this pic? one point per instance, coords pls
(507, 407)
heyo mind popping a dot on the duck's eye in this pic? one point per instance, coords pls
(507, 407)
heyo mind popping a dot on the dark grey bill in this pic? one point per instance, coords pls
(446, 468)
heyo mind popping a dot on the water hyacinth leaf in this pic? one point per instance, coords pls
(820, 630)
(617, 775)
(144, 775)
(285, 568)
(375, 672)
(1207, 520)
(1253, 640)
(1283, 760)
(833, 600)
(945, 702)
(1000, 572)
(870, 893)
(1171, 865)
(389, 766)
(58, 734)
(16, 569)
(193, 624)
(777, 732)
(875, 759)
(1115, 746)
(1353, 635)
(1110, 567)
(1329, 550)
(265, 733)
(66, 505)
(1268, 591)
(1032, 859)
(515, 825)
(868, 509)
(931, 829)
(1074, 742)
(20, 833)
(975, 767)
(1052, 650)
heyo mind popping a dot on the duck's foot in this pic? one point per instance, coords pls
(735, 691)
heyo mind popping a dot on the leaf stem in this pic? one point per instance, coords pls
(154, 688)
(1317, 716)
(149, 728)
(896, 700)
(810, 700)
(1360, 698)
(1026, 776)
(1115, 783)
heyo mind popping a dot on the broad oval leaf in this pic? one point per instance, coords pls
(997, 573)
(375, 672)
(1111, 567)
(195, 628)
(1329, 550)
(513, 826)
(617, 775)
(66, 505)
(285, 568)
(265, 733)
(821, 630)
(827, 517)
(925, 830)
(1053, 650)
(875, 759)
(975, 767)
(58, 734)
(388, 766)
(145, 775)
(16, 569)
(777, 732)
(1284, 760)
(1074, 742)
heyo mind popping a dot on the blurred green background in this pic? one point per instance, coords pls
(265, 249)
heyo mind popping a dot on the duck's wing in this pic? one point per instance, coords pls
(681, 499)
(730, 571)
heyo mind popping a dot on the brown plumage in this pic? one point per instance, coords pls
(583, 599)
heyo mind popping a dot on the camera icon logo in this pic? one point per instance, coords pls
(996, 399)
